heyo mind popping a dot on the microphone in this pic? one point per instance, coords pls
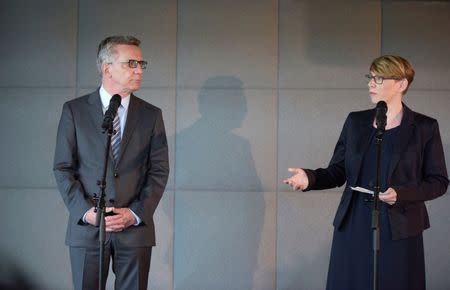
(380, 115)
(111, 112)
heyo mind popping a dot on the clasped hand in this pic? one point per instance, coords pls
(121, 219)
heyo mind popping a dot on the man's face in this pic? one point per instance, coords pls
(120, 76)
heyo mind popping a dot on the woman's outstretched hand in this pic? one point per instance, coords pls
(299, 179)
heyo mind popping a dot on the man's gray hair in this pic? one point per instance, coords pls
(106, 52)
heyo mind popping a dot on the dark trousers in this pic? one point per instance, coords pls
(131, 266)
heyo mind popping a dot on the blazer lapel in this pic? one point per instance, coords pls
(132, 120)
(405, 133)
(365, 129)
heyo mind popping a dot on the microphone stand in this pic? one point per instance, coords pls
(376, 209)
(100, 207)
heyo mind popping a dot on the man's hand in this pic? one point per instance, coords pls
(122, 219)
(297, 181)
(91, 215)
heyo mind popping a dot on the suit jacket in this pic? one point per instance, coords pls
(417, 170)
(137, 180)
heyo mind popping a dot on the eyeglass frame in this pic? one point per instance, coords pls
(370, 77)
(133, 63)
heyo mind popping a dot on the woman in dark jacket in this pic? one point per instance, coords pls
(412, 171)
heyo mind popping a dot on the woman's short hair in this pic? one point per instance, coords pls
(393, 66)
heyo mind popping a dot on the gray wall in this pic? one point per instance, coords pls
(248, 89)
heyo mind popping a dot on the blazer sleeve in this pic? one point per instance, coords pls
(157, 173)
(434, 180)
(334, 175)
(65, 166)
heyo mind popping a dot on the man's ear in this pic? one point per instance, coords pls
(105, 69)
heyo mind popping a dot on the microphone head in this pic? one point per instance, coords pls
(382, 105)
(114, 104)
(115, 100)
(380, 115)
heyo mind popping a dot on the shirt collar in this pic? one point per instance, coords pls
(106, 98)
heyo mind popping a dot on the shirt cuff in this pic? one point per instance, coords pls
(138, 220)
(84, 218)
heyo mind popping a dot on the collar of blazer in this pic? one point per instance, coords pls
(365, 129)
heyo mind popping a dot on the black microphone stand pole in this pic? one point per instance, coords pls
(101, 204)
(376, 209)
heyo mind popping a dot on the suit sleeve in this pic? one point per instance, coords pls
(434, 181)
(65, 166)
(157, 173)
(334, 175)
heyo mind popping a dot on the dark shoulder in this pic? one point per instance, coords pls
(146, 105)
(83, 99)
(423, 119)
(419, 119)
(360, 118)
(361, 115)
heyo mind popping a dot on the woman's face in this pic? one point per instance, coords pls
(389, 90)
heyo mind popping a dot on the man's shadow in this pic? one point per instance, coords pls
(219, 207)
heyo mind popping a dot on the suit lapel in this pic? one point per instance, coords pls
(405, 133)
(132, 120)
(96, 115)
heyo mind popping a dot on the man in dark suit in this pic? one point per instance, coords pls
(412, 171)
(136, 175)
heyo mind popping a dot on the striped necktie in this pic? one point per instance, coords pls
(115, 139)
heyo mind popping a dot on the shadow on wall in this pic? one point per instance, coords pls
(211, 156)
(13, 276)
(220, 212)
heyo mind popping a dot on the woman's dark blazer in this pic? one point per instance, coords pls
(417, 170)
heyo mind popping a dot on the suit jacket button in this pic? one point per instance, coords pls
(116, 174)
